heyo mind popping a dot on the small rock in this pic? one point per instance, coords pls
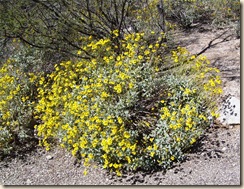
(49, 157)
(230, 111)
(28, 181)
(203, 154)
(224, 148)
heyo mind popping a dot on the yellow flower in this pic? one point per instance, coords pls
(152, 154)
(211, 82)
(118, 173)
(140, 57)
(176, 59)
(106, 59)
(116, 33)
(115, 165)
(104, 94)
(202, 117)
(47, 148)
(105, 122)
(128, 159)
(155, 146)
(33, 77)
(217, 80)
(131, 85)
(126, 134)
(193, 140)
(219, 91)
(41, 81)
(149, 148)
(118, 88)
(120, 120)
(118, 58)
(85, 172)
(187, 91)
(189, 122)
(122, 76)
(79, 52)
(110, 141)
(90, 156)
(146, 52)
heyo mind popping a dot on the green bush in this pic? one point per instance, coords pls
(127, 111)
(16, 106)
(30, 59)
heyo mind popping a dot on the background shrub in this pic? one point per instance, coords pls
(185, 13)
(17, 99)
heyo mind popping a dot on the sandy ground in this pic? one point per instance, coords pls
(214, 161)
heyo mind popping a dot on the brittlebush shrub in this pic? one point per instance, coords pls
(16, 106)
(128, 108)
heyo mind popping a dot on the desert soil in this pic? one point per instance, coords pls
(214, 161)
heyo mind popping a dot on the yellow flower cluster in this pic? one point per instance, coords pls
(206, 77)
(182, 118)
(180, 124)
(79, 102)
(86, 104)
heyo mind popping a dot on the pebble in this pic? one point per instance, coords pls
(49, 157)
(28, 181)
(224, 148)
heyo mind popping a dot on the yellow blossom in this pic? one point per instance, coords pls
(118, 88)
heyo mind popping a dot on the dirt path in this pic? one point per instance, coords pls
(215, 160)
(223, 52)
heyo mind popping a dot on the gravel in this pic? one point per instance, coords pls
(214, 161)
